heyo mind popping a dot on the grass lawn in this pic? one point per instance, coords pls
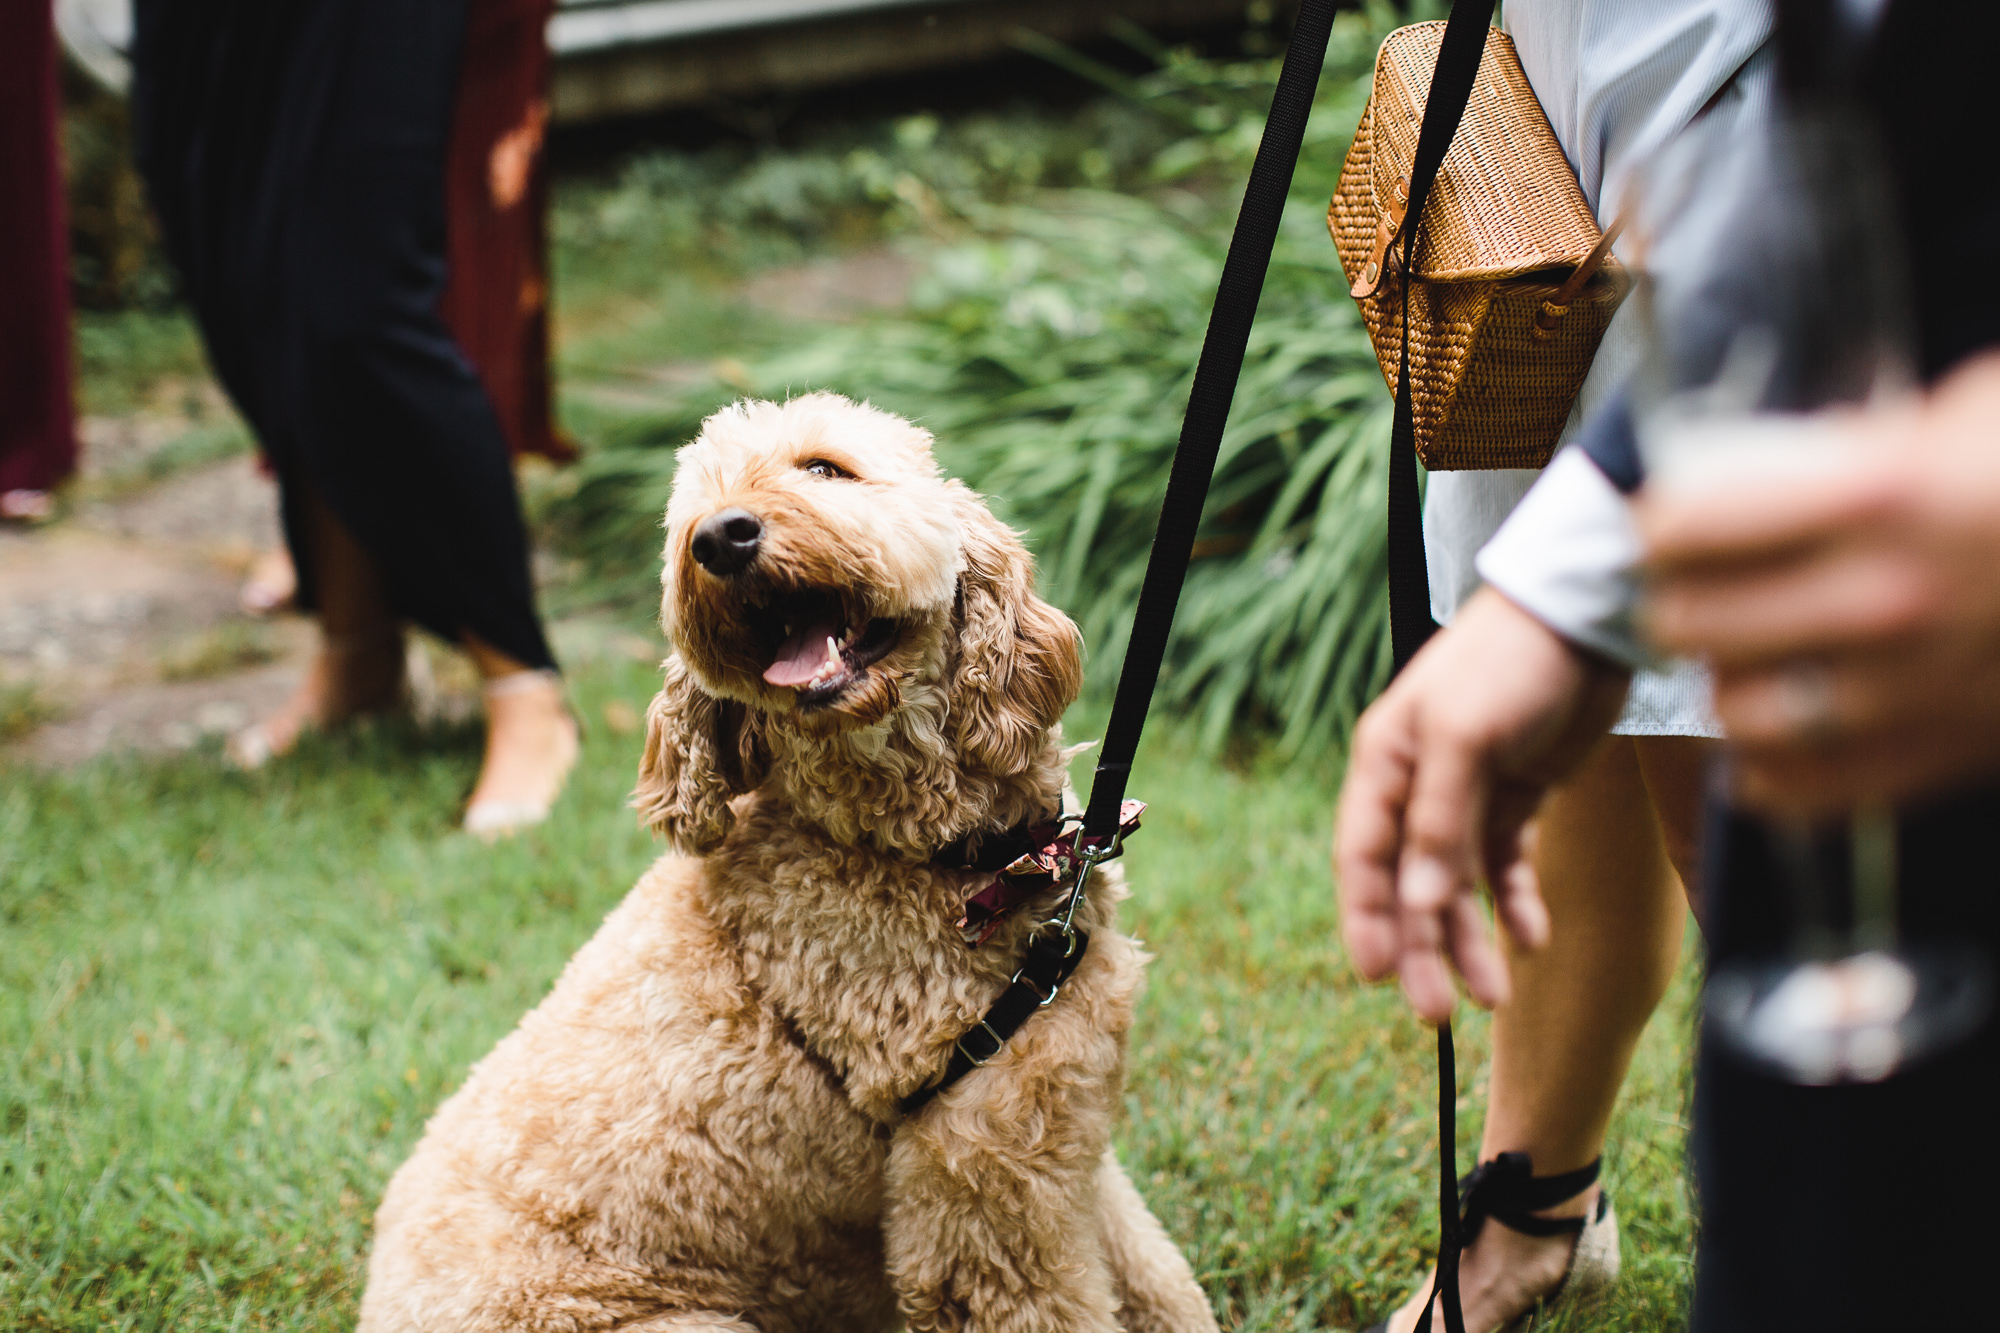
(227, 1004)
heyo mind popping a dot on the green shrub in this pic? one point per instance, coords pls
(1050, 346)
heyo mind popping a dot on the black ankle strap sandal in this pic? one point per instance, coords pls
(1507, 1190)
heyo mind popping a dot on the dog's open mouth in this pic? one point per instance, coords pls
(818, 644)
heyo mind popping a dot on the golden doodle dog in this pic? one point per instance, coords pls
(700, 1127)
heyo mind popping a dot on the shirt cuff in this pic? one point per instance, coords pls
(1569, 556)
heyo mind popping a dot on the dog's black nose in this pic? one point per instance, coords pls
(726, 543)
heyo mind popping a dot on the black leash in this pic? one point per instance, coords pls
(1208, 410)
(1222, 351)
(1243, 270)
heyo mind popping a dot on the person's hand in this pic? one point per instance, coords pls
(1447, 769)
(1852, 617)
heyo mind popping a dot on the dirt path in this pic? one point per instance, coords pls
(119, 623)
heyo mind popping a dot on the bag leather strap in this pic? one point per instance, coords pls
(1410, 622)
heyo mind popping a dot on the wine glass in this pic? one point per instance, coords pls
(1770, 290)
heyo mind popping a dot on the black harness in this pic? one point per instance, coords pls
(1028, 861)
(1052, 956)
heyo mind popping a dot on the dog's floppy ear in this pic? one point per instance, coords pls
(700, 751)
(1020, 660)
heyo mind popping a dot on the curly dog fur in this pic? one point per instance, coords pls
(698, 1129)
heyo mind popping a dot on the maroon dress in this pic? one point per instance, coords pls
(496, 293)
(37, 423)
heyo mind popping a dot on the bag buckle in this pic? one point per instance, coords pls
(1385, 237)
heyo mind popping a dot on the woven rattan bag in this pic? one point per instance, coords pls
(1513, 282)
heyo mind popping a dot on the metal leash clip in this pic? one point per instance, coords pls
(1085, 856)
(1086, 859)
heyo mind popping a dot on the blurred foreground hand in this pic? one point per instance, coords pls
(1852, 616)
(1447, 769)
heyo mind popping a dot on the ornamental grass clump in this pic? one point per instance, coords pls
(1050, 344)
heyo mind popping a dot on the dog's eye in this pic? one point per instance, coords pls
(819, 467)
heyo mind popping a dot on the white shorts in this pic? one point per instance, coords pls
(1462, 510)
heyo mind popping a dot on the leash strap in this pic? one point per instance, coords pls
(1053, 955)
(1222, 350)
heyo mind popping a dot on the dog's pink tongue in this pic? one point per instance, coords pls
(801, 656)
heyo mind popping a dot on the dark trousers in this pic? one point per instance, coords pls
(1852, 1207)
(295, 154)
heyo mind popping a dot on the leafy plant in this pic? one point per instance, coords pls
(116, 259)
(1050, 346)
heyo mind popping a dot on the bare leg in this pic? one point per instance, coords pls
(359, 667)
(1674, 769)
(531, 742)
(271, 585)
(1562, 1044)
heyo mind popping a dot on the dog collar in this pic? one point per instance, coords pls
(1026, 860)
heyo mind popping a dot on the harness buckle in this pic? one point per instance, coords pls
(1021, 978)
(980, 1061)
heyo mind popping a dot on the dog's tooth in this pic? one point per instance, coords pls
(832, 652)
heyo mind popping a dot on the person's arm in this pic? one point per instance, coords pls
(1853, 617)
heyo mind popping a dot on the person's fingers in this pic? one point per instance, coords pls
(1368, 838)
(1510, 876)
(1518, 905)
(1471, 946)
(1443, 822)
(1836, 596)
(1766, 518)
(1440, 861)
(1427, 980)
(1509, 859)
(1805, 702)
(1882, 769)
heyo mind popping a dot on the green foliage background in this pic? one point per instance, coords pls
(1069, 265)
